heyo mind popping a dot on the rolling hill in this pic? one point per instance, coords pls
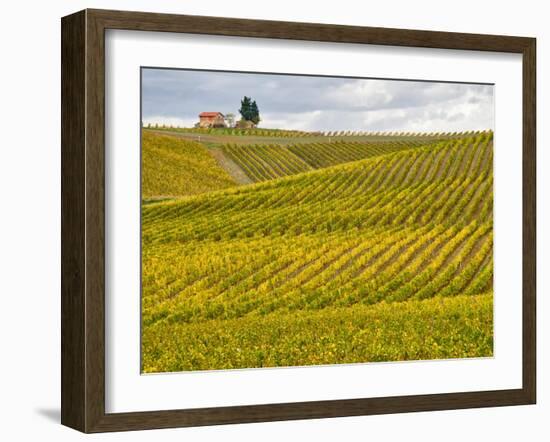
(261, 162)
(174, 167)
(383, 258)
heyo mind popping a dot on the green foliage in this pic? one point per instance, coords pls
(249, 110)
(175, 167)
(254, 112)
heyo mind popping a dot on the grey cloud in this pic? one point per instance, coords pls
(319, 103)
(456, 117)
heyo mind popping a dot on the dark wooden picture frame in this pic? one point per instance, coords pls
(83, 219)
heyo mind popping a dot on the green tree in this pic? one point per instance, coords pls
(255, 113)
(245, 109)
(249, 110)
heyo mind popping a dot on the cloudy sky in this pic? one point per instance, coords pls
(317, 103)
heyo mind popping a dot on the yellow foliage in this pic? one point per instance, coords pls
(173, 167)
(382, 259)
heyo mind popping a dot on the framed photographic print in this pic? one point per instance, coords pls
(268, 221)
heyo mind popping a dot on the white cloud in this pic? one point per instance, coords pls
(169, 121)
(318, 103)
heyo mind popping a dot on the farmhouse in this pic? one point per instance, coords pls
(211, 119)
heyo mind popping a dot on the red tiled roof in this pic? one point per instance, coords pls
(210, 114)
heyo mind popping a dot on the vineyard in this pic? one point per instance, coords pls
(238, 131)
(338, 253)
(265, 162)
(298, 133)
(172, 167)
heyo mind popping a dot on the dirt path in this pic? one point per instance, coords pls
(230, 166)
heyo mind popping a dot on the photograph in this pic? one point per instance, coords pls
(295, 220)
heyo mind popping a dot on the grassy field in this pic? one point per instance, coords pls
(364, 255)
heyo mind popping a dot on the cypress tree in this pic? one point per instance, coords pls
(255, 113)
(245, 109)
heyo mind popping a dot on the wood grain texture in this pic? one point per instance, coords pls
(83, 220)
(145, 21)
(529, 220)
(73, 255)
(95, 222)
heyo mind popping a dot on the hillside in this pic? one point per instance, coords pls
(304, 269)
(217, 137)
(174, 167)
(239, 132)
(261, 162)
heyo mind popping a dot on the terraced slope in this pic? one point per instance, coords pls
(174, 167)
(387, 258)
(319, 155)
(266, 162)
